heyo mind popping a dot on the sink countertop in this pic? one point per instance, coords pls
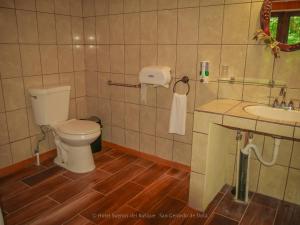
(235, 109)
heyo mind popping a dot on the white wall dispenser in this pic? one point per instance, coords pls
(155, 76)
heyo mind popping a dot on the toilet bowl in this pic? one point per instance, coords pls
(73, 139)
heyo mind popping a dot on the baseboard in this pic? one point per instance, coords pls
(25, 163)
(143, 155)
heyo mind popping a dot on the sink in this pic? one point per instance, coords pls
(274, 113)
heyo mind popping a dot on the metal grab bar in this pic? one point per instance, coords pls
(123, 85)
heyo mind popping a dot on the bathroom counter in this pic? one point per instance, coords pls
(231, 113)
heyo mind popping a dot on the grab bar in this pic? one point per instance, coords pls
(123, 85)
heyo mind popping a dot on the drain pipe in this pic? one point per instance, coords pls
(37, 149)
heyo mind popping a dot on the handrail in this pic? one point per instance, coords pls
(123, 85)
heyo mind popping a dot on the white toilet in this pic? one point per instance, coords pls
(72, 137)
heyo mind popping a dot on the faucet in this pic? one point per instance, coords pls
(283, 104)
(283, 94)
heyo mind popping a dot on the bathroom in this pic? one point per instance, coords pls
(86, 43)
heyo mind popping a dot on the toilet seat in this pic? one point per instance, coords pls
(78, 127)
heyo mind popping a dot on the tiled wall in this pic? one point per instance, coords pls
(122, 36)
(280, 181)
(41, 45)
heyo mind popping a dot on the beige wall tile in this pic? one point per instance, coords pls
(254, 20)
(25, 4)
(46, 28)
(167, 56)
(80, 84)
(118, 135)
(239, 122)
(210, 2)
(132, 59)
(17, 123)
(182, 153)
(132, 117)
(76, 7)
(81, 107)
(72, 109)
(31, 61)
(147, 120)
(236, 23)
(199, 151)
(277, 129)
(205, 93)
(49, 59)
(284, 154)
(8, 26)
(62, 7)
(21, 150)
(212, 54)
(13, 93)
(116, 29)
(103, 58)
(92, 106)
(132, 28)
(64, 29)
(164, 148)
(230, 91)
(51, 80)
(186, 61)
(68, 79)
(132, 95)
(45, 6)
(147, 144)
(89, 24)
(292, 193)
(148, 27)
(196, 191)
(31, 82)
(148, 55)
(27, 26)
(91, 82)
(90, 58)
(167, 26)
(105, 110)
(4, 138)
(5, 156)
(88, 8)
(78, 54)
(188, 137)
(167, 4)
(131, 6)
(259, 63)
(77, 30)
(295, 160)
(2, 107)
(253, 93)
(104, 88)
(102, 7)
(116, 6)
(235, 57)
(132, 139)
(148, 5)
(7, 3)
(118, 114)
(210, 25)
(162, 123)
(164, 97)
(65, 58)
(102, 29)
(272, 181)
(188, 26)
(107, 133)
(10, 63)
(118, 92)
(117, 58)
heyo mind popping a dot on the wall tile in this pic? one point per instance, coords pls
(105, 110)
(62, 7)
(21, 150)
(64, 29)
(76, 7)
(132, 28)
(182, 153)
(7, 3)
(116, 6)
(89, 30)
(236, 23)
(104, 88)
(91, 80)
(132, 95)
(27, 26)
(167, 57)
(188, 137)
(118, 135)
(25, 4)
(5, 156)
(162, 124)
(117, 58)
(68, 79)
(131, 6)
(118, 114)
(45, 6)
(164, 148)
(147, 120)
(132, 59)
(199, 151)
(148, 5)
(4, 138)
(254, 93)
(78, 54)
(148, 55)
(102, 29)
(116, 29)
(91, 58)
(13, 92)
(119, 91)
(51, 80)
(31, 82)
(17, 123)
(147, 144)
(10, 63)
(186, 61)
(49, 59)
(80, 89)
(167, 26)
(31, 61)
(132, 117)
(149, 28)
(132, 139)
(103, 58)
(8, 26)
(188, 26)
(46, 28)
(295, 160)
(77, 30)
(102, 7)
(292, 193)
(88, 8)
(2, 107)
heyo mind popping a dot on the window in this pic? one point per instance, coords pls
(285, 26)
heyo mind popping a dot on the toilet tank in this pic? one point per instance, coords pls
(50, 105)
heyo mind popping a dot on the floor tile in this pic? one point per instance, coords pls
(116, 165)
(258, 214)
(221, 220)
(151, 174)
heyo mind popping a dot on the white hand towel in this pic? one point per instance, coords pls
(178, 114)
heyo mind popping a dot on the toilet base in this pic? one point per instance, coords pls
(77, 159)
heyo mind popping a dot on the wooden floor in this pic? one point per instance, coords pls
(125, 189)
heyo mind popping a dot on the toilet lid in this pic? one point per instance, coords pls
(79, 127)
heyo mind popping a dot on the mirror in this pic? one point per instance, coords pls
(280, 20)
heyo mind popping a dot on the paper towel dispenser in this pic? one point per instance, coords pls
(156, 75)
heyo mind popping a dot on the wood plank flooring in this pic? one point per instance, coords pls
(126, 190)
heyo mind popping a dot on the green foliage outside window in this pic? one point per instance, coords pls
(273, 26)
(294, 30)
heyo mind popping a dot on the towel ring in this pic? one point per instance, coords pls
(184, 79)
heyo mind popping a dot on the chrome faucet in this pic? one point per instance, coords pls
(282, 93)
(283, 104)
(291, 105)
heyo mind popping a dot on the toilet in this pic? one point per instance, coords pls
(72, 137)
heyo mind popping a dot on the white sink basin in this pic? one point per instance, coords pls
(274, 113)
